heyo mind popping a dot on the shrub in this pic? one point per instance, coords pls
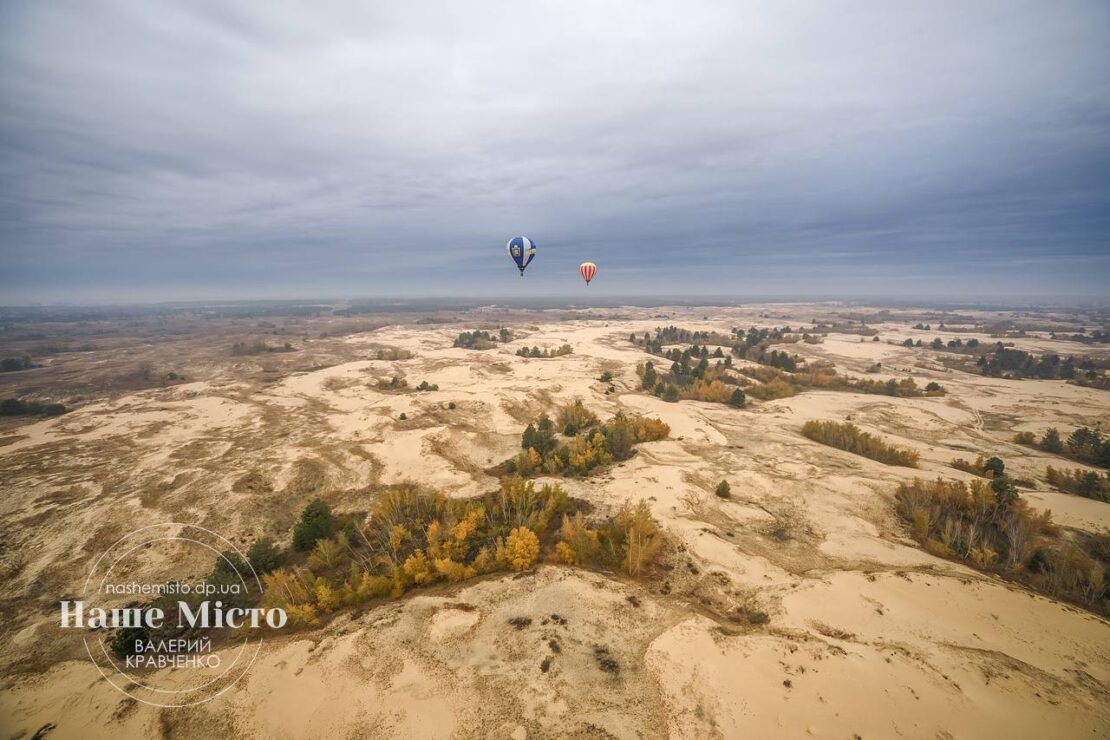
(403, 416)
(847, 436)
(577, 414)
(723, 489)
(737, 399)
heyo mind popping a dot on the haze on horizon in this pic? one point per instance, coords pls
(192, 149)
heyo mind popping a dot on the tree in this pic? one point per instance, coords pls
(528, 439)
(264, 555)
(1005, 492)
(1050, 442)
(670, 394)
(316, 523)
(545, 435)
(649, 379)
(723, 489)
(520, 550)
(995, 466)
(229, 563)
(933, 387)
(738, 399)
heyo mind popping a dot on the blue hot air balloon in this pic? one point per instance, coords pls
(522, 250)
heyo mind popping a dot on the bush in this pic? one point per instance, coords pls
(403, 416)
(723, 489)
(737, 399)
(316, 523)
(577, 414)
(395, 383)
(847, 436)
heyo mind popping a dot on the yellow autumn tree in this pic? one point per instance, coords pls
(419, 568)
(578, 543)
(519, 550)
(642, 538)
(327, 599)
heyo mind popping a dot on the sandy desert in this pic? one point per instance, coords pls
(865, 635)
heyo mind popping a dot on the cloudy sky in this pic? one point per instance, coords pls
(217, 149)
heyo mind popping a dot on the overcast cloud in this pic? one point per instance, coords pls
(165, 150)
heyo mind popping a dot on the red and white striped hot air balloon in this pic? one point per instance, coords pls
(587, 270)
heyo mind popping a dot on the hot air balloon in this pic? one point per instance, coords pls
(587, 270)
(522, 250)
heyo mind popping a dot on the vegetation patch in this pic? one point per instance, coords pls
(1084, 445)
(412, 538)
(990, 527)
(534, 351)
(1003, 360)
(847, 436)
(21, 407)
(589, 444)
(239, 349)
(780, 373)
(481, 340)
(1085, 483)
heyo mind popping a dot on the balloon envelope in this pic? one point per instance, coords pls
(521, 250)
(587, 270)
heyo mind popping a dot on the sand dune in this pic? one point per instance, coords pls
(867, 636)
